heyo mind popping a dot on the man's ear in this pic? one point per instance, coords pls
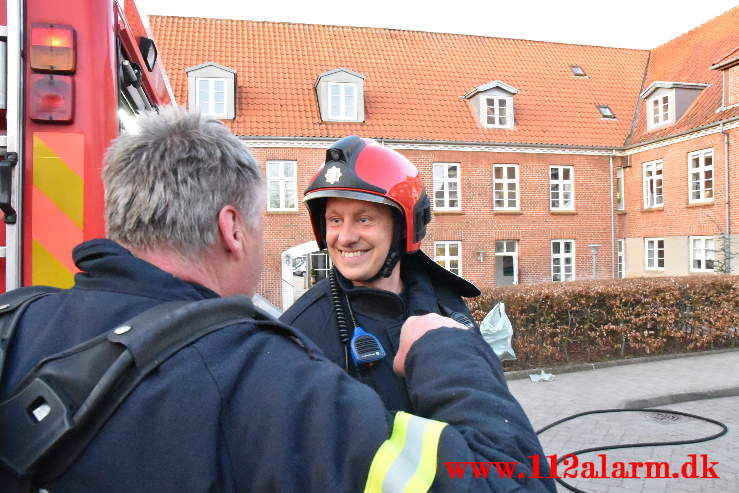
(231, 230)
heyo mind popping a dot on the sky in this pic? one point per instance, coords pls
(642, 24)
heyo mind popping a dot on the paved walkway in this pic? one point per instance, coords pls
(667, 384)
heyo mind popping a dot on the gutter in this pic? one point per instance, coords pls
(432, 142)
(727, 193)
(719, 124)
(613, 218)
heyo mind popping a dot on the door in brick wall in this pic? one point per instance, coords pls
(506, 262)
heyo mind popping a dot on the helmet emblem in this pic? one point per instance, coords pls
(333, 175)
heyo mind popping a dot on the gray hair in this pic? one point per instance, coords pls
(166, 183)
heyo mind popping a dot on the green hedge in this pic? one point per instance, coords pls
(583, 321)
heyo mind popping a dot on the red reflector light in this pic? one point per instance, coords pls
(53, 48)
(51, 98)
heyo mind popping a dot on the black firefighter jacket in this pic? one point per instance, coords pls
(428, 288)
(246, 409)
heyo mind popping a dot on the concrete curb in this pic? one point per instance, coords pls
(520, 374)
(684, 397)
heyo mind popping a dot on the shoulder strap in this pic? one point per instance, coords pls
(69, 396)
(12, 306)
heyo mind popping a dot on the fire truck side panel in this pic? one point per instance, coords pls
(61, 200)
(63, 177)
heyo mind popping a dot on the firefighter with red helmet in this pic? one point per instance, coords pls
(369, 210)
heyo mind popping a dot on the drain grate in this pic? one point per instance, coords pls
(666, 419)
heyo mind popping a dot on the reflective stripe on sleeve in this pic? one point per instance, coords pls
(406, 462)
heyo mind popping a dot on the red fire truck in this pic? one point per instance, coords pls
(72, 73)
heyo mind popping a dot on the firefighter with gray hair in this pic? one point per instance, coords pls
(251, 405)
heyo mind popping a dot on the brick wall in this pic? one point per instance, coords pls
(677, 219)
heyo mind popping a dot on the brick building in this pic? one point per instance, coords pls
(543, 161)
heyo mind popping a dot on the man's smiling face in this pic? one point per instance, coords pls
(358, 235)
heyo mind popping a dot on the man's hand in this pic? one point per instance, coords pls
(413, 329)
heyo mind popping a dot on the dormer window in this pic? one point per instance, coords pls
(666, 102)
(211, 96)
(659, 109)
(493, 104)
(340, 95)
(342, 101)
(211, 90)
(497, 111)
(729, 66)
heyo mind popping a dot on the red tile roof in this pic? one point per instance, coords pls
(414, 80)
(688, 58)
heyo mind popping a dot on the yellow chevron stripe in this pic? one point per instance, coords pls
(53, 177)
(47, 270)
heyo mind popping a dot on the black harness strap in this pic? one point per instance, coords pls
(12, 306)
(62, 404)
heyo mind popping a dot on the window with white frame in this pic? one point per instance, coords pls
(654, 253)
(505, 187)
(497, 111)
(660, 110)
(282, 186)
(620, 189)
(446, 186)
(621, 258)
(702, 253)
(211, 96)
(561, 188)
(342, 97)
(653, 184)
(448, 254)
(563, 260)
(700, 176)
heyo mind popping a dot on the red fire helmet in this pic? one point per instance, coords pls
(362, 169)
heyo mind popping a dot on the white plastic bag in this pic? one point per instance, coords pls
(497, 331)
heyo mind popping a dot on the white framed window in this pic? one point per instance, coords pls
(653, 184)
(563, 260)
(497, 111)
(282, 186)
(561, 188)
(620, 189)
(506, 262)
(211, 96)
(654, 253)
(448, 254)
(505, 187)
(660, 110)
(342, 101)
(621, 258)
(446, 186)
(700, 176)
(702, 253)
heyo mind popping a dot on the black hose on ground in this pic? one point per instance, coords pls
(724, 430)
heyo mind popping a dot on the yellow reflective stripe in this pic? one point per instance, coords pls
(56, 179)
(387, 454)
(406, 462)
(48, 271)
(426, 472)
